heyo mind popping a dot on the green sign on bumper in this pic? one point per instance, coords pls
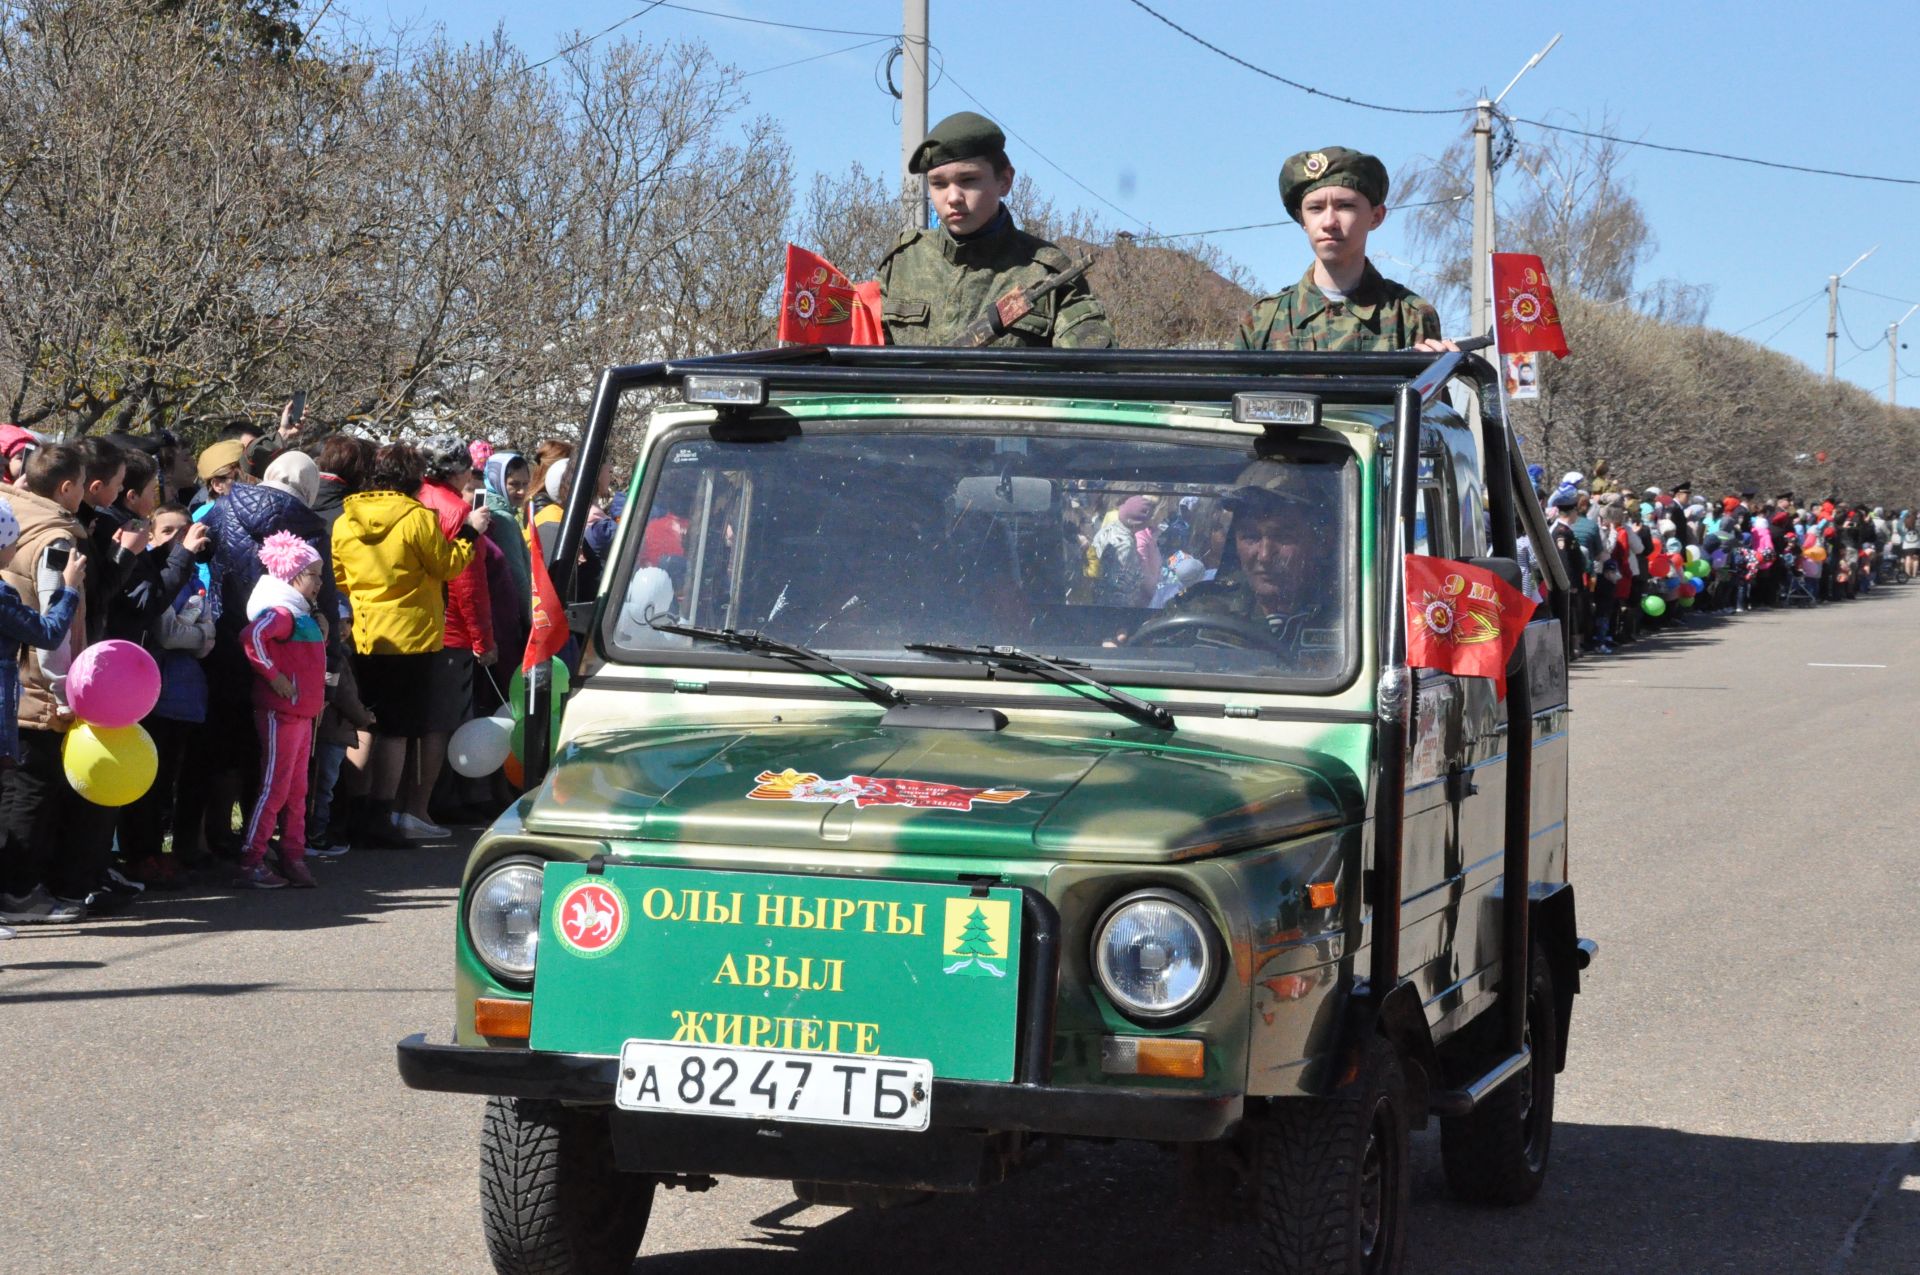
(831, 965)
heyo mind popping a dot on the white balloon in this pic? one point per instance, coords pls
(480, 746)
(649, 597)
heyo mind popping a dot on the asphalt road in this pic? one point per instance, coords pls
(207, 1083)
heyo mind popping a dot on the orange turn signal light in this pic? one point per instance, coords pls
(499, 1017)
(1322, 894)
(1153, 1056)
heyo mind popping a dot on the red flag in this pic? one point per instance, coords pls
(820, 306)
(1525, 318)
(1463, 619)
(549, 617)
(866, 315)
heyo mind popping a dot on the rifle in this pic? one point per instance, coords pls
(1015, 306)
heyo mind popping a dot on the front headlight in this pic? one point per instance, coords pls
(503, 919)
(1154, 955)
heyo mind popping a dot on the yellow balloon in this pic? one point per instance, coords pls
(110, 765)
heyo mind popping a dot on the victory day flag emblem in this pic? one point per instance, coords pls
(1463, 619)
(820, 306)
(1525, 318)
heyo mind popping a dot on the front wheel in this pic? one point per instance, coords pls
(551, 1201)
(1334, 1182)
(1498, 1154)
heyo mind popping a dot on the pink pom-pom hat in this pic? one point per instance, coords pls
(286, 555)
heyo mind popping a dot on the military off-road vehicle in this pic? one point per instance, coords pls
(972, 750)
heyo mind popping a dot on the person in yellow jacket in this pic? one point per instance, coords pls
(392, 563)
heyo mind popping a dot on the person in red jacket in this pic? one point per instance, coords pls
(467, 643)
(286, 642)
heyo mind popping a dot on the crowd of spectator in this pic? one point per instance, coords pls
(1645, 560)
(324, 612)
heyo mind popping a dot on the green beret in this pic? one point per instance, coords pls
(1331, 166)
(957, 137)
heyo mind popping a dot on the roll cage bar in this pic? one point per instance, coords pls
(1408, 381)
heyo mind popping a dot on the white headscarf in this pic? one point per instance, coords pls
(296, 474)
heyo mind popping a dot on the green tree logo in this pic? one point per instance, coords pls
(975, 950)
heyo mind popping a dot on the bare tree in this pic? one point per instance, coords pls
(166, 231)
(851, 218)
(1566, 200)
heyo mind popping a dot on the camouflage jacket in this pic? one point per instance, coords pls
(934, 285)
(1377, 315)
(1308, 641)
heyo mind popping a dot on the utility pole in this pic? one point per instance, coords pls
(913, 110)
(1480, 321)
(1893, 354)
(1833, 308)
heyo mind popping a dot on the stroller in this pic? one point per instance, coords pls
(1801, 590)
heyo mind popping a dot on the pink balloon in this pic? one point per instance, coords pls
(113, 684)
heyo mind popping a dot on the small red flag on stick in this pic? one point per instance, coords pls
(1526, 322)
(1525, 318)
(820, 306)
(1463, 619)
(549, 632)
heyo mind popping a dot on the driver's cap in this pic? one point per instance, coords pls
(1267, 488)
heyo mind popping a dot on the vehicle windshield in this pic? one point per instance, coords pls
(1156, 556)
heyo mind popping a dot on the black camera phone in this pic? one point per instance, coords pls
(57, 556)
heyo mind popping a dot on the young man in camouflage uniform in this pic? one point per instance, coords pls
(1342, 303)
(936, 282)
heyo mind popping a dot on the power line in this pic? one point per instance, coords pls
(1292, 84)
(1542, 124)
(1883, 296)
(1002, 122)
(769, 22)
(581, 44)
(1806, 305)
(1737, 159)
(768, 70)
(1284, 221)
(1849, 331)
(1777, 313)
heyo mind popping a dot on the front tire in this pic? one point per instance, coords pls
(1333, 1176)
(1498, 1154)
(551, 1201)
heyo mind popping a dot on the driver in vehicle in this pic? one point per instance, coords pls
(1273, 578)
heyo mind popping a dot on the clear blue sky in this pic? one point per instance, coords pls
(1181, 139)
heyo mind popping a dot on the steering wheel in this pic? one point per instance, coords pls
(1187, 628)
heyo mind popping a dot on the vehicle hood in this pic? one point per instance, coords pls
(1002, 794)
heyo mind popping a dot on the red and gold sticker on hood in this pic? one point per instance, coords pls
(867, 790)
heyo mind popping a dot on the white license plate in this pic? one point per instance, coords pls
(775, 1084)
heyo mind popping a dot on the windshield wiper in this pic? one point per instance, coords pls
(753, 640)
(1066, 672)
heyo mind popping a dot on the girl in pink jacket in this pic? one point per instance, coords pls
(286, 642)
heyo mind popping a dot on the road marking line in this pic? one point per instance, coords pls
(1812, 665)
(1911, 1182)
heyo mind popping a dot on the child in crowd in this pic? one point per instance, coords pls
(39, 880)
(21, 624)
(286, 644)
(341, 729)
(180, 636)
